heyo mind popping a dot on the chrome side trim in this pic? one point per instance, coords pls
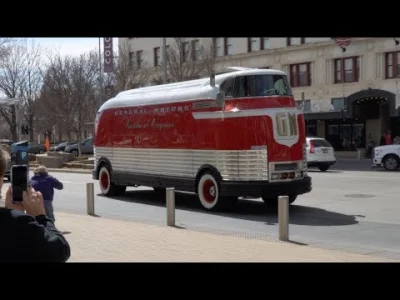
(245, 165)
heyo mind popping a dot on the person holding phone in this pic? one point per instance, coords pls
(26, 234)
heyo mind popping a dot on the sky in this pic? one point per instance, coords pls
(72, 46)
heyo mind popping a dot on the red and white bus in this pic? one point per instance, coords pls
(237, 134)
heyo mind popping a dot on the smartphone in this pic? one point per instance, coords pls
(19, 181)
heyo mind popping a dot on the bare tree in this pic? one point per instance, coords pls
(5, 47)
(20, 78)
(31, 86)
(56, 102)
(83, 77)
(11, 80)
(186, 61)
(69, 93)
(130, 72)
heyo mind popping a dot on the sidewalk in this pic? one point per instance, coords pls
(95, 239)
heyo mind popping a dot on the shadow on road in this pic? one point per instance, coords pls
(246, 209)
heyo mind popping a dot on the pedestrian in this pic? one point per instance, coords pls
(388, 138)
(26, 234)
(370, 146)
(47, 144)
(42, 182)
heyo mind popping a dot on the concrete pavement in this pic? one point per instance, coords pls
(348, 211)
(96, 239)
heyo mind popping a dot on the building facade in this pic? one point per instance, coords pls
(348, 93)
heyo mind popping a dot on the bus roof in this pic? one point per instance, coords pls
(178, 91)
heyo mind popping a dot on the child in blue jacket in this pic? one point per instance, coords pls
(45, 183)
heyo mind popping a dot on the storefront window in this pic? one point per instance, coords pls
(345, 137)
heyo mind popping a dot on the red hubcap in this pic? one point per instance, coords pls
(104, 180)
(209, 191)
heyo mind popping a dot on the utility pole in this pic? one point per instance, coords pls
(101, 77)
(164, 48)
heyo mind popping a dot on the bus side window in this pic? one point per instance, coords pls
(227, 87)
(245, 86)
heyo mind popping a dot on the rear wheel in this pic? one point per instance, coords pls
(75, 153)
(208, 193)
(391, 162)
(273, 201)
(323, 168)
(106, 186)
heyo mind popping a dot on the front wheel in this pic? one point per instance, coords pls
(106, 186)
(391, 163)
(273, 201)
(208, 193)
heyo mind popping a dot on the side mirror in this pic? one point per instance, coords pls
(220, 99)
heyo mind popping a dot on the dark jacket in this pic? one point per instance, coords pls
(46, 185)
(24, 238)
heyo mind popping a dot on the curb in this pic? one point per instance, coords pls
(79, 171)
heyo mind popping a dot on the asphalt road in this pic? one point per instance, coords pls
(355, 211)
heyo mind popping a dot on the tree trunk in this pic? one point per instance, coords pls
(30, 124)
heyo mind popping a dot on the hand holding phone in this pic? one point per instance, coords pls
(19, 181)
(10, 204)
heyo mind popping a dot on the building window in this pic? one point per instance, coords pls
(139, 59)
(223, 46)
(292, 41)
(264, 43)
(253, 44)
(338, 104)
(347, 69)
(304, 105)
(392, 64)
(157, 57)
(196, 49)
(219, 46)
(228, 46)
(300, 74)
(185, 49)
(131, 59)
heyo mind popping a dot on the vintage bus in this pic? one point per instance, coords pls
(237, 134)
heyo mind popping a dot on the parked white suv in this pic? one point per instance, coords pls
(387, 156)
(320, 154)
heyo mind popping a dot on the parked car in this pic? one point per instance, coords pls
(86, 147)
(36, 148)
(7, 142)
(320, 153)
(61, 146)
(387, 156)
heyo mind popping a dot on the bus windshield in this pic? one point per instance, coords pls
(257, 86)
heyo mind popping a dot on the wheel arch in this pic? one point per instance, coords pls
(390, 154)
(103, 161)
